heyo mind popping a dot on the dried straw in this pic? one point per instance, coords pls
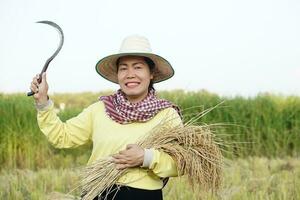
(194, 148)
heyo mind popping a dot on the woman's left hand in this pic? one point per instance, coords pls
(132, 156)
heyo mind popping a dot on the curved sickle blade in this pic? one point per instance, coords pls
(61, 34)
(59, 46)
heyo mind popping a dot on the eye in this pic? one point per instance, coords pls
(138, 67)
(122, 68)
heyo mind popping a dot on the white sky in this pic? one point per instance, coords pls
(231, 47)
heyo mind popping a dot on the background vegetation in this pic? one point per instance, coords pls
(265, 128)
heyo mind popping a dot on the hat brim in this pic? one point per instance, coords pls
(107, 67)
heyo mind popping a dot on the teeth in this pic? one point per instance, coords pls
(132, 84)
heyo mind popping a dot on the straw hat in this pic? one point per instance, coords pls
(134, 45)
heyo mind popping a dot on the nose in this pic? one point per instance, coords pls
(130, 73)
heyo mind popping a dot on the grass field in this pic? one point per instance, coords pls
(262, 133)
(249, 178)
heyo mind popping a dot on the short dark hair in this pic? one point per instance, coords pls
(150, 64)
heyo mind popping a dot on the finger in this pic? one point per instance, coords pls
(118, 156)
(33, 85)
(35, 91)
(35, 81)
(119, 161)
(124, 160)
(123, 152)
(119, 166)
(129, 146)
(122, 166)
(34, 88)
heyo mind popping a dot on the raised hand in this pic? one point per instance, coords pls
(40, 89)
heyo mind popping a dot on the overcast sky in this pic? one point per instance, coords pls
(230, 47)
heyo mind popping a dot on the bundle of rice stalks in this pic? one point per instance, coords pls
(194, 148)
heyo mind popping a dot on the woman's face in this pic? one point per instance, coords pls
(134, 77)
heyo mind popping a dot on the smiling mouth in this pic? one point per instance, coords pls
(132, 84)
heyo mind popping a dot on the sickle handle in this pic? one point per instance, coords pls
(30, 93)
(54, 54)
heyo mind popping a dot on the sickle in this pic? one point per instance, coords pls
(54, 54)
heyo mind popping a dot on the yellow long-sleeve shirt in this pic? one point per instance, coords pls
(109, 137)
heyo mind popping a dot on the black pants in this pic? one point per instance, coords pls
(129, 193)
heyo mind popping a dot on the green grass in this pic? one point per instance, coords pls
(262, 134)
(265, 125)
(246, 179)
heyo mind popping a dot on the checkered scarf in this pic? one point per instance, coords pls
(119, 109)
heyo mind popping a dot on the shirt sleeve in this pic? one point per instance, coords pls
(163, 165)
(72, 133)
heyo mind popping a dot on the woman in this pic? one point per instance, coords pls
(116, 122)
